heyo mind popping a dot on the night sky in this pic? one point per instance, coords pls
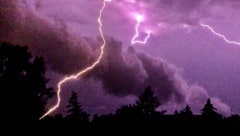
(182, 61)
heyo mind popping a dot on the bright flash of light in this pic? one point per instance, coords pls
(139, 19)
(219, 35)
(80, 73)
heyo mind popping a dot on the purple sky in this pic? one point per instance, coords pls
(184, 62)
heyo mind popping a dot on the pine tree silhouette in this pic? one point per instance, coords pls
(75, 111)
(209, 111)
(147, 102)
(187, 112)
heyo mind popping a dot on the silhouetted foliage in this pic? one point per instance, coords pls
(128, 110)
(38, 85)
(23, 82)
(187, 112)
(75, 111)
(209, 111)
(147, 102)
(139, 115)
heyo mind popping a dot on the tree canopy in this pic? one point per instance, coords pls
(23, 82)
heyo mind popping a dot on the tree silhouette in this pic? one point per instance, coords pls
(38, 84)
(75, 111)
(209, 110)
(147, 102)
(23, 82)
(187, 112)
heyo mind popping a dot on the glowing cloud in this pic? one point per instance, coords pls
(219, 35)
(139, 17)
(75, 76)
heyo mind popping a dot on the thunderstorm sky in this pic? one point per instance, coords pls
(189, 62)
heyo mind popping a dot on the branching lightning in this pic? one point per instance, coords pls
(139, 19)
(72, 77)
(219, 35)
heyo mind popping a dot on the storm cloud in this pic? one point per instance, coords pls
(61, 51)
(124, 73)
(120, 72)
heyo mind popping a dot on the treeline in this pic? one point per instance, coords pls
(24, 92)
(141, 114)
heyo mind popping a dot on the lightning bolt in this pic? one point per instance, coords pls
(139, 19)
(219, 35)
(80, 73)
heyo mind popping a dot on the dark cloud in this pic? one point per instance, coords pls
(121, 73)
(124, 73)
(162, 78)
(63, 54)
(128, 73)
